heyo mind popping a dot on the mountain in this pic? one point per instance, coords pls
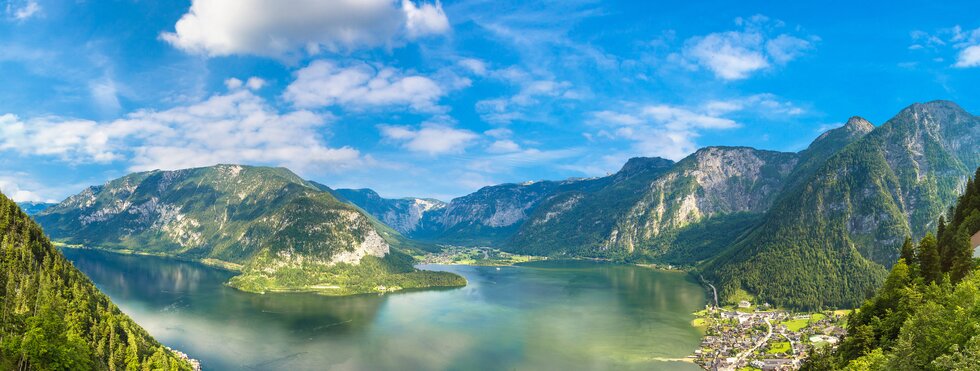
(281, 232)
(810, 229)
(926, 316)
(491, 215)
(828, 240)
(54, 318)
(405, 215)
(650, 204)
(488, 216)
(31, 207)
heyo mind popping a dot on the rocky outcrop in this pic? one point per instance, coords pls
(405, 215)
(713, 181)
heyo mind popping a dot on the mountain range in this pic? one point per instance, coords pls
(33, 207)
(808, 229)
(281, 232)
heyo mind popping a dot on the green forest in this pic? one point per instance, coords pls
(926, 316)
(54, 318)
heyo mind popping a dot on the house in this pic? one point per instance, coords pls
(744, 304)
(975, 242)
(779, 364)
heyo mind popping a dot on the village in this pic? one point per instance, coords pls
(484, 256)
(748, 337)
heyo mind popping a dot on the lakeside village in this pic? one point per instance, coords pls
(749, 337)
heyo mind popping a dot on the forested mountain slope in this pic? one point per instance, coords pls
(828, 241)
(927, 314)
(283, 233)
(54, 318)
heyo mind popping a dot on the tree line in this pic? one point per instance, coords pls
(52, 317)
(926, 316)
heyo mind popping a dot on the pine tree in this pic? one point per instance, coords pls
(962, 253)
(908, 253)
(929, 264)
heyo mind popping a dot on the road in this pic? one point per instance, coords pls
(715, 291)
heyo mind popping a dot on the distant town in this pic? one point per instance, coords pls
(749, 337)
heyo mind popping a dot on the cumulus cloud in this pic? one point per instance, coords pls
(736, 55)
(425, 19)
(325, 83)
(275, 29)
(238, 127)
(432, 139)
(969, 57)
(659, 130)
(15, 192)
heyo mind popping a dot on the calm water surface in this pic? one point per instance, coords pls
(544, 316)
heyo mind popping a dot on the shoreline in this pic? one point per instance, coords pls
(237, 268)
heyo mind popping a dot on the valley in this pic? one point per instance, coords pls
(808, 232)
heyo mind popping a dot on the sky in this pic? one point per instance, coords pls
(440, 98)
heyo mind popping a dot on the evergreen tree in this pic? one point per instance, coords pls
(929, 264)
(908, 253)
(918, 320)
(53, 318)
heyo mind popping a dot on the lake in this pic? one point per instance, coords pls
(566, 315)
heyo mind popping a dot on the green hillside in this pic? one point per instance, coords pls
(281, 232)
(927, 314)
(54, 318)
(828, 241)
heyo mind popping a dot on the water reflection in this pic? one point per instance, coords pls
(552, 315)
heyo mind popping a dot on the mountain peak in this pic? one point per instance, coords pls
(937, 108)
(858, 124)
(636, 164)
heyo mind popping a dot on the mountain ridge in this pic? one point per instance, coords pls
(282, 232)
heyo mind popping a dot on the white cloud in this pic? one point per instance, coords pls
(105, 95)
(432, 139)
(965, 43)
(238, 127)
(730, 55)
(233, 83)
(529, 104)
(675, 118)
(969, 57)
(503, 146)
(272, 28)
(661, 130)
(736, 55)
(29, 9)
(255, 83)
(324, 83)
(13, 191)
(476, 66)
(785, 48)
(427, 19)
(764, 104)
(499, 133)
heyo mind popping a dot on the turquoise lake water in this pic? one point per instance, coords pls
(544, 316)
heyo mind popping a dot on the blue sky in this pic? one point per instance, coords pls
(440, 98)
